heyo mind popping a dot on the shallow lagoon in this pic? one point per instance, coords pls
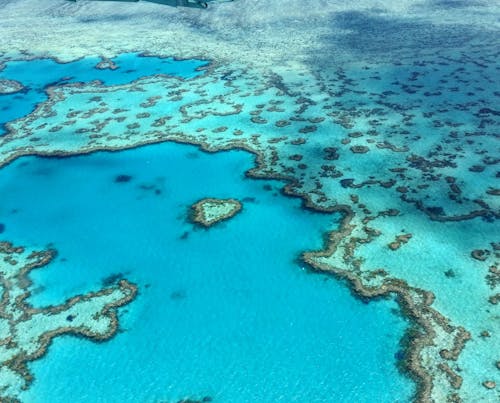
(36, 75)
(225, 312)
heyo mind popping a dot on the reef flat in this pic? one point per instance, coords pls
(10, 87)
(26, 332)
(25, 87)
(389, 117)
(210, 211)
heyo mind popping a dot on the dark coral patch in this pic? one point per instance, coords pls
(112, 279)
(359, 149)
(400, 355)
(308, 129)
(123, 178)
(476, 168)
(205, 399)
(480, 254)
(436, 210)
(449, 273)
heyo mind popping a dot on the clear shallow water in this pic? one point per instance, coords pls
(37, 75)
(225, 312)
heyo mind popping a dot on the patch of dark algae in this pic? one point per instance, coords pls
(30, 332)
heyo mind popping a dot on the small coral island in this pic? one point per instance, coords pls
(10, 87)
(208, 212)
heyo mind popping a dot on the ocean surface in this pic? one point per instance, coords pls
(227, 312)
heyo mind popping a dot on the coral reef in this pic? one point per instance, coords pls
(209, 211)
(26, 332)
(407, 146)
(10, 87)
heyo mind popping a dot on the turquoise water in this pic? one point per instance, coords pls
(229, 313)
(225, 312)
(37, 75)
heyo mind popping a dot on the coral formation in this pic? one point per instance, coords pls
(429, 126)
(26, 332)
(10, 86)
(209, 211)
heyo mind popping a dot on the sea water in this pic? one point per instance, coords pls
(226, 312)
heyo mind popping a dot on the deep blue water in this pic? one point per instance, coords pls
(225, 312)
(37, 74)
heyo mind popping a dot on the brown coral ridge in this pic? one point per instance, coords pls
(400, 240)
(418, 310)
(439, 216)
(37, 259)
(461, 338)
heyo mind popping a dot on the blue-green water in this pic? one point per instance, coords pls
(225, 312)
(381, 109)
